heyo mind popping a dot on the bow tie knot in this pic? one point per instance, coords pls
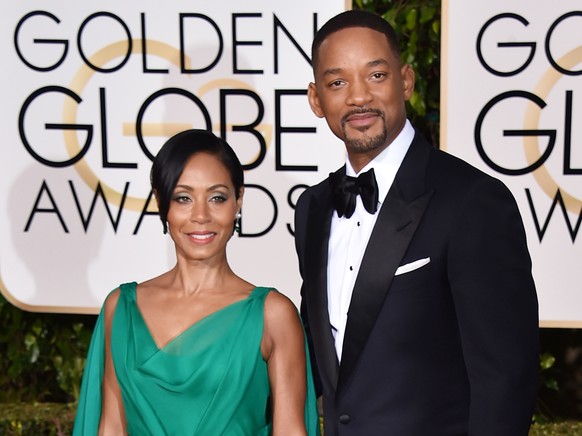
(346, 188)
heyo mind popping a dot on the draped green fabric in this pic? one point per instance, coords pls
(210, 380)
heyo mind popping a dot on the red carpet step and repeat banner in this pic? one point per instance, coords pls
(511, 100)
(91, 90)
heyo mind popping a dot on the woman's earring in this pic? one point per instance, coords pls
(237, 222)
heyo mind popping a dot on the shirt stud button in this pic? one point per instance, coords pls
(344, 418)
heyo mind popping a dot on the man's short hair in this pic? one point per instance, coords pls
(354, 18)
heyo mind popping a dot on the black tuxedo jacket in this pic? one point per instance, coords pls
(449, 348)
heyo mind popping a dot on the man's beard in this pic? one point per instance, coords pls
(365, 143)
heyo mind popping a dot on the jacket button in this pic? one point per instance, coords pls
(344, 418)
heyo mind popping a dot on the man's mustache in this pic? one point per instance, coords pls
(360, 111)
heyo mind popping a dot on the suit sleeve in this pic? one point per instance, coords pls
(496, 304)
(301, 211)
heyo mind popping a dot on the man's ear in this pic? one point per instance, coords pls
(408, 81)
(313, 99)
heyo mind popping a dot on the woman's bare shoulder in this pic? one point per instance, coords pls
(278, 301)
(280, 310)
(111, 300)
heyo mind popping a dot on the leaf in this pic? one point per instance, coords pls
(29, 341)
(547, 360)
(551, 384)
(411, 18)
(34, 354)
(427, 13)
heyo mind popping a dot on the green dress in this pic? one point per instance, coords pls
(210, 380)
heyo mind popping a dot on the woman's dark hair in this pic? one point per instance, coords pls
(172, 157)
(354, 18)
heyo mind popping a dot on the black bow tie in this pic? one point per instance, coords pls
(346, 188)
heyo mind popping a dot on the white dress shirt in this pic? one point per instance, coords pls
(349, 236)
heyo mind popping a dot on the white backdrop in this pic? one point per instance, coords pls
(511, 104)
(90, 90)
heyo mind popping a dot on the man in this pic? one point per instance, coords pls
(419, 302)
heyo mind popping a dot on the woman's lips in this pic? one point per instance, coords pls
(202, 237)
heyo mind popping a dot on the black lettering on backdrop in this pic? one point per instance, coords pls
(86, 22)
(53, 126)
(568, 138)
(144, 49)
(186, 21)
(224, 94)
(277, 24)
(219, 50)
(145, 212)
(58, 42)
(530, 45)
(541, 229)
(249, 128)
(86, 213)
(99, 193)
(190, 25)
(568, 168)
(279, 130)
(86, 216)
(551, 134)
(273, 220)
(152, 98)
(104, 136)
(549, 37)
(36, 209)
(236, 43)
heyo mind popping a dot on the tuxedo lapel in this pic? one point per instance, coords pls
(397, 221)
(316, 258)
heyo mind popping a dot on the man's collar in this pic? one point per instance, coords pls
(386, 164)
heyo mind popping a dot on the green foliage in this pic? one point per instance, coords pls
(547, 378)
(45, 354)
(566, 428)
(547, 381)
(418, 23)
(36, 419)
(57, 419)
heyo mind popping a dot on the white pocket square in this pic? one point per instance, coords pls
(412, 266)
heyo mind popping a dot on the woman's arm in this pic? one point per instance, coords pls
(283, 348)
(112, 413)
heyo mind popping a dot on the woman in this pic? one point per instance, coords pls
(197, 350)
